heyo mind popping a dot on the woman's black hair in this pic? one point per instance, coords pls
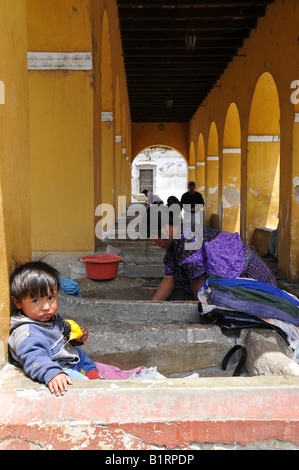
(34, 278)
(157, 217)
(173, 200)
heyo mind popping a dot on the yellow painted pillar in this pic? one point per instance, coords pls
(128, 164)
(192, 173)
(200, 167)
(191, 166)
(107, 123)
(231, 172)
(200, 177)
(124, 175)
(212, 179)
(15, 242)
(118, 171)
(294, 239)
(118, 139)
(129, 183)
(231, 183)
(123, 159)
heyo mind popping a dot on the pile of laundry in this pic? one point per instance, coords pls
(243, 303)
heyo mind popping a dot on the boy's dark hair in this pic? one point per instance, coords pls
(34, 278)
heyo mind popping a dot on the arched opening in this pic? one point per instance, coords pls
(263, 164)
(231, 171)
(161, 170)
(212, 178)
(107, 118)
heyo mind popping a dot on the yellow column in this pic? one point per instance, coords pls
(15, 244)
(212, 179)
(231, 183)
(200, 167)
(191, 166)
(192, 173)
(213, 188)
(294, 248)
(118, 139)
(118, 171)
(107, 122)
(108, 187)
(231, 171)
(123, 158)
(129, 181)
(200, 178)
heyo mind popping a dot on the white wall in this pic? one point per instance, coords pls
(170, 172)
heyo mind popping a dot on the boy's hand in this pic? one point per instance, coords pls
(58, 384)
(84, 337)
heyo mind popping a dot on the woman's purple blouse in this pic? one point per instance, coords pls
(212, 252)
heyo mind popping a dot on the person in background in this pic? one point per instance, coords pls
(192, 197)
(151, 198)
(192, 200)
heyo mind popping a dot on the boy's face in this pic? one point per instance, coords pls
(39, 308)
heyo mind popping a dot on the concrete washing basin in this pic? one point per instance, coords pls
(127, 329)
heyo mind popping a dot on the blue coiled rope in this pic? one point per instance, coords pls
(69, 286)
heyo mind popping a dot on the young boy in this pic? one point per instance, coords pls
(38, 340)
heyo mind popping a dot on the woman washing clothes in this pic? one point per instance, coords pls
(194, 253)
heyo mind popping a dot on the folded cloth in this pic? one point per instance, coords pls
(257, 297)
(254, 303)
(253, 284)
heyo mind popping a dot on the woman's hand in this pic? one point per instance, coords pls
(166, 287)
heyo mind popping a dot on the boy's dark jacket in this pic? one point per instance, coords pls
(41, 349)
